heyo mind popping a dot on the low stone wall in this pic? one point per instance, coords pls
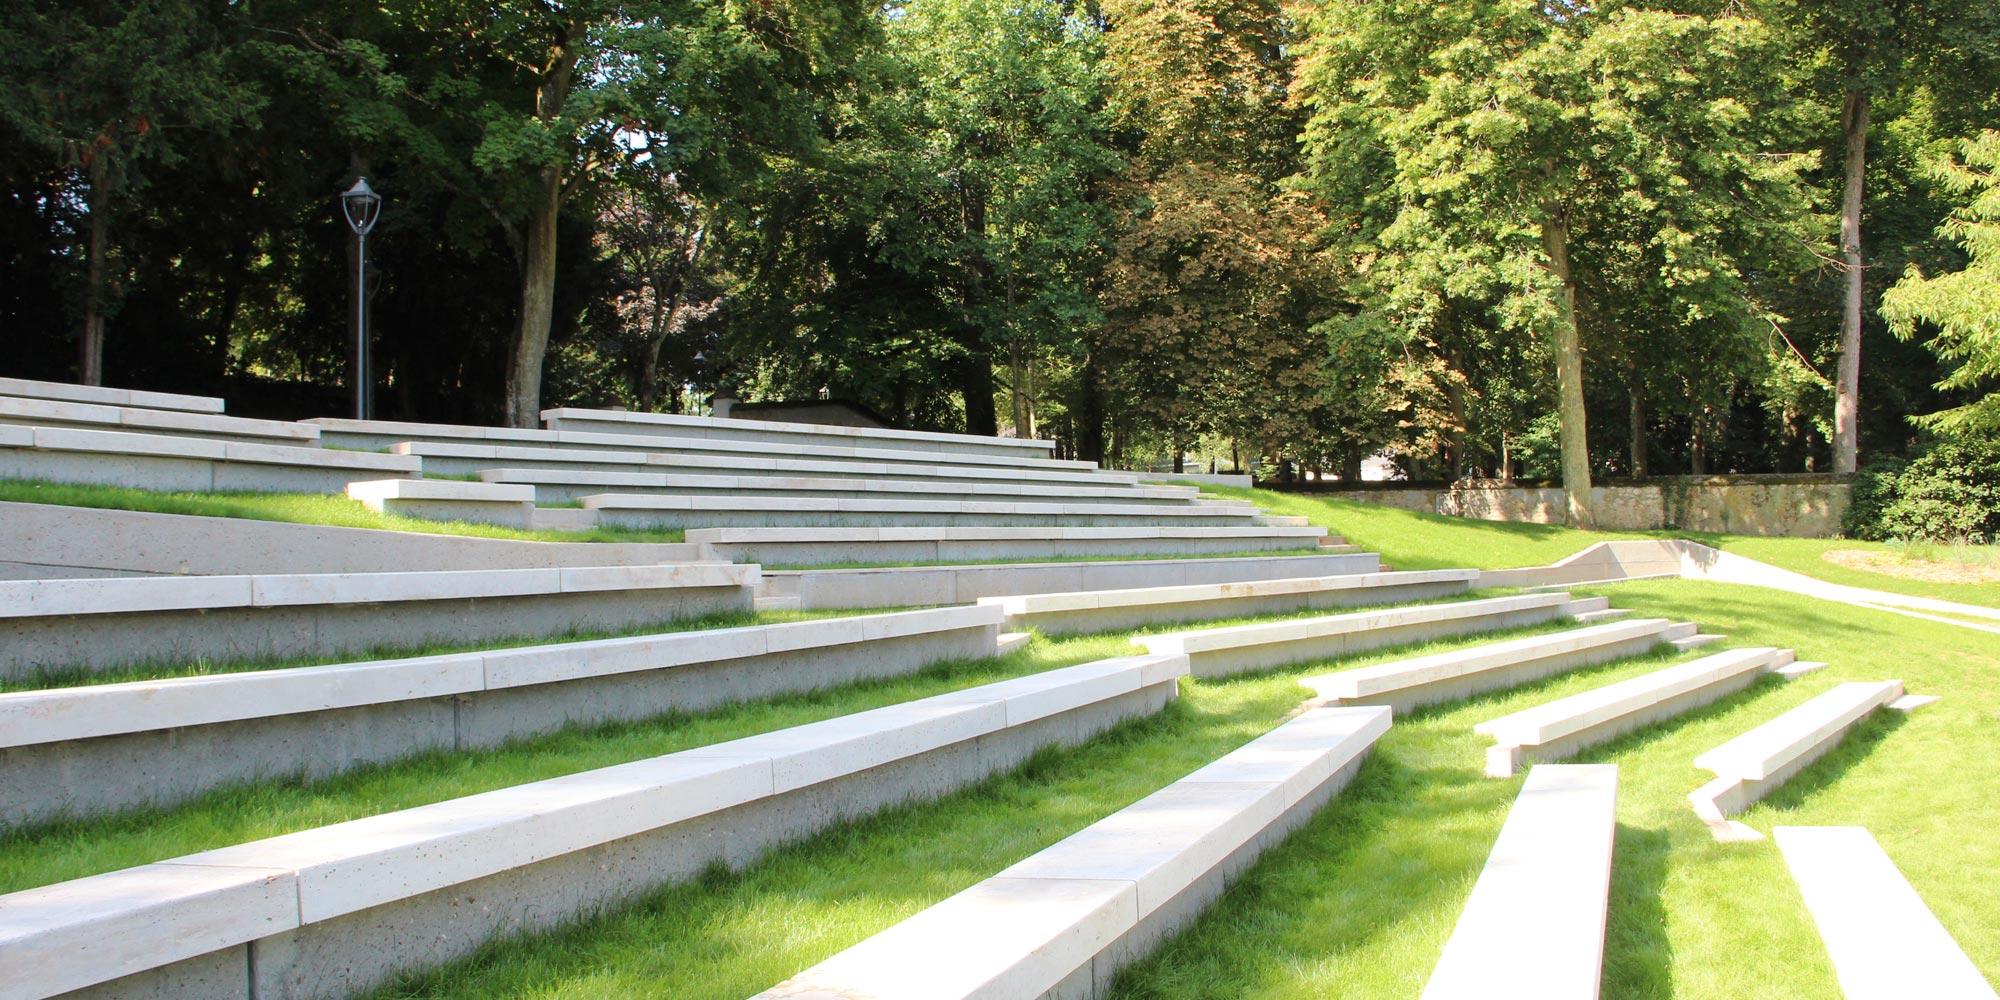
(1799, 506)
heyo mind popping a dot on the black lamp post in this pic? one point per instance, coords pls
(362, 206)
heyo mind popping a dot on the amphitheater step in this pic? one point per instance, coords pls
(533, 855)
(1062, 922)
(1559, 729)
(811, 546)
(1103, 610)
(104, 395)
(1215, 652)
(139, 741)
(562, 485)
(767, 432)
(627, 510)
(1753, 764)
(1440, 677)
(172, 462)
(149, 420)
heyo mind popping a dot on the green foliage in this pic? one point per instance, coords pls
(1951, 493)
(1872, 492)
(1961, 310)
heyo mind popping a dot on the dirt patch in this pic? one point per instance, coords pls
(1891, 564)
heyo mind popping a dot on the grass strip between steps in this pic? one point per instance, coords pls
(298, 508)
(71, 848)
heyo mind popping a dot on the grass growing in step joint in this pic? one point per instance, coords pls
(47, 678)
(296, 508)
(1417, 540)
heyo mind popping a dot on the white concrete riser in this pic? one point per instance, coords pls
(1744, 793)
(781, 432)
(1503, 761)
(158, 472)
(1223, 662)
(106, 641)
(635, 519)
(100, 542)
(551, 493)
(912, 585)
(1502, 678)
(1084, 620)
(354, 953)
(108, 395)
(698, 464)
(974, 551)
(89, 776)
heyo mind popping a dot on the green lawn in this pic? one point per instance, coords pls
(1359, 902)
(1416, 540)
(298, 508)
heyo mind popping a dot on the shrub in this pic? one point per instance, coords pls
(1874, 490)
(1949, 494)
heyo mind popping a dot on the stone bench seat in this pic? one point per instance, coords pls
(1097, 611)
(449, 500)
(817, 546)
(99, 623)
(461, 458)
(337, 910)
(374, 435)
(674, 425)
(1884, 942)
(1440, 677)
(1534, 924)
(1062, 922)
(1751, 765)
(560, 485)
(69, 392)
(51, 540)
(1219, 651)
(903, 586)
(172, 462)
(135, 740)
(651, 510)
(144, 420)
(1560, 728)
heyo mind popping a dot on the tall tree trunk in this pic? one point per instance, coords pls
(538, 251)
(975, 382)
(1090, 415)
(90, 343)
(538, 288)
(1637, 392)
(1018, 375)
(1847, 384)
(1569, 375)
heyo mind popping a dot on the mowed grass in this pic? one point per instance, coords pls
(297, 508)
(1409, 540)
(1360, 901)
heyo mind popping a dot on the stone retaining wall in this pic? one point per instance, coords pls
(1800, 506)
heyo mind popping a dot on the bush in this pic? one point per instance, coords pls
(1949, 494)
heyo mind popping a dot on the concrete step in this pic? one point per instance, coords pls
(670, 426)
(891, 545)
(172, 462)
(1072, 612)
(622, 510)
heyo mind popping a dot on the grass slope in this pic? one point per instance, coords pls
(1416, 540)
(298, 508)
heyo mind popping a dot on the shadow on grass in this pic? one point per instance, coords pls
(1638, 957)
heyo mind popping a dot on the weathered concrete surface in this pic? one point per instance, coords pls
(1797, 506)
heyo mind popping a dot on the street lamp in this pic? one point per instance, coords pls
(362, 207)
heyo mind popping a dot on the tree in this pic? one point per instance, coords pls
(1871, 48)
(111, 90)
(1961, 309)
(1511, 154)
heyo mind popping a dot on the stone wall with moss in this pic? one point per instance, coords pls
(1799, 506)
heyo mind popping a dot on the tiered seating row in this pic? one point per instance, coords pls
(819, 546)
(1560, 728)
(1750, 766)
(675, 425)
(176, 462)
(559, 485)
(97, 416)
(1439, 677)
(1884, 942)
(339, 909)
(1534, 926)
(455, 458)
(1064, 613)
(85, 750)
(65, 391)
(1062, 922)
(100, 623)
(1218, 651)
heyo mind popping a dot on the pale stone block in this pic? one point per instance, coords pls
(13, 436)
(124, 442)
(572, 661)
(74, 934)
(1761, 752)
(666, 575)
(351, 588)
(1031, 934)
(1581, 711)
(220, 426)
(36, 389)
(31, 717)
(373, 492)
(1884, 942)
(819, 751)
(276, 454)
(1164, 842)
(1373, 681)
(1303, 753)
(1534, 925)
(29, 411)
(42, 598)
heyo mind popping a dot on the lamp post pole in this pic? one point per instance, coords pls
(363, 207)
